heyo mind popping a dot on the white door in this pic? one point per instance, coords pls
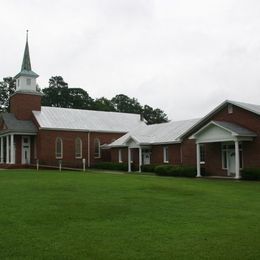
(231, 162)
(146, 157)
(26, 150)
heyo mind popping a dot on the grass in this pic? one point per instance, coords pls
(72, 215)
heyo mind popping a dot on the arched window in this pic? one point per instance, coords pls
(78, 148)
(58, 148)
(97, 151)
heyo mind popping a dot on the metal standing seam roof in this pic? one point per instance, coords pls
(156, 134)
(15, 125)
(250, 107)
(86, 120)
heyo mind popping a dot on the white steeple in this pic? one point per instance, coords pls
(26, 78)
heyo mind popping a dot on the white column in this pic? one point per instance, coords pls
(129, 159)
(198, 159)
(7, 149)
(12, 149)
(237, 160)
(88, 149)
(2, 150)
(140, 159)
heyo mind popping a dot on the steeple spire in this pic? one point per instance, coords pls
(26, 78)
(26, 65)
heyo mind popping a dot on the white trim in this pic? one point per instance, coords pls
(7, 149)
(88, 149)
(198, 159)
(80, 130)
(237, 160)
(140, 159)
(2, 150)
(214, 111)
(129, 159)
(12, 150)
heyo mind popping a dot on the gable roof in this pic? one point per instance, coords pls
(156, 134)
(14, 125)
(249, 107)
(55, 118)
(234, 129)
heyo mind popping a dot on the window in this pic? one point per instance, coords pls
(202, 153)
(97, 152)
(59, 148)
(78, 148)
(120, 155)
(165, 154)
(28, 81)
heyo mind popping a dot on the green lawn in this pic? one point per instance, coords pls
(75, 215)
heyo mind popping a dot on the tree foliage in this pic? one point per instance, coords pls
(7, 88)
(58, 94)
(123, 103)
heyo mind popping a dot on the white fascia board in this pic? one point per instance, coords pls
(212, 112)
(170, 142)
(81, 130)
(129, 138)
(17, 133)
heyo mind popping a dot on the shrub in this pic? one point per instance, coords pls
(112, 166)
(251, 174)
(175, 170)
(115, 166)
(148, 167)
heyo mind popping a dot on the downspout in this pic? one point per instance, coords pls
(88, 149)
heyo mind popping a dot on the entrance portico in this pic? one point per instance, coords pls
(231, 136)
(144, 154)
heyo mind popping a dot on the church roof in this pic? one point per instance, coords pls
(69, 119)
(156, 134)
(14, 125)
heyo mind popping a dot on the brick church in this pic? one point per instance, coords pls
(221, 143)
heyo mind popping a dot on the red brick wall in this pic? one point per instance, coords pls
(156, 154)
(46, 147)
(22, 105)
(188, 152)
(213, 160)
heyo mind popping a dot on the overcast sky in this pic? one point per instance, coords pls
(183, 56)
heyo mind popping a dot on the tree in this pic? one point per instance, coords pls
(7, 88)
(154, 116)
(57, 93)
(123, 103)
(103, 104)
(79, 98)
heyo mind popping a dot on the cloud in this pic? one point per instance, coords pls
(183, 56)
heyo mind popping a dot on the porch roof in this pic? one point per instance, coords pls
(216, 131)
(164, 133)
(14, 125)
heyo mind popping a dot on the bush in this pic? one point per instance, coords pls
(251, 174)
(115, 166)
(148, 167)
(175, 170)
(112, 166)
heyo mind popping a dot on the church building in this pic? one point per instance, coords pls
(222, 143)
(50, 135)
